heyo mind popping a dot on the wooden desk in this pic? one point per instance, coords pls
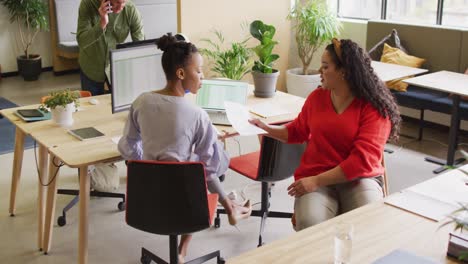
(456, 84)
(79, 154)
(388, 71)
(378, 230)
(22, 129)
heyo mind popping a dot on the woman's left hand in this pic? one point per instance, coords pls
(303, 186)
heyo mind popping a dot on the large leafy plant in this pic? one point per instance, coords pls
(233, 62)
(31, 16)
(314, 25)
(264, 33)
(60, 98)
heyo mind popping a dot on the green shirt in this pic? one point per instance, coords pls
(95, 43)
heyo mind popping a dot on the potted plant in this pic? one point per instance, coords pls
(264, 76)
(313, 25)
(62, 104)
(32, 14)
(232, 63)
(460, 219)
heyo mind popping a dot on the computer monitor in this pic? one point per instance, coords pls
(214, 93)
(133, 71)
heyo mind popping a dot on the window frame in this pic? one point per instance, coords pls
(383, 13)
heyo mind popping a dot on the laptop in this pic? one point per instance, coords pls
(214, 93)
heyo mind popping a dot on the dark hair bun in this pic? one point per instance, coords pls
(166, 41)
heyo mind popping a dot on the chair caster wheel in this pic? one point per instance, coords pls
(61, 221)
(217, 222)
(121, 206)
(220, 260)
(145, 259)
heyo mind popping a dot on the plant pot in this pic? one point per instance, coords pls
(265, 83)
(29, 68)
(63, 116)
(301, 85)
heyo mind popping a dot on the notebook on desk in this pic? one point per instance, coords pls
(214, 93)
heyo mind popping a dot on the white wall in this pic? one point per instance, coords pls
(199, 18)
(10, 46)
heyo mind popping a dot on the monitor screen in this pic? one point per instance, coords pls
(133, 71)
(214, 93)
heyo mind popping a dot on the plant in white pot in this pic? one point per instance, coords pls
(31, 17)
(264, 76)
(62, 105)
(313, 25)
(233, 62)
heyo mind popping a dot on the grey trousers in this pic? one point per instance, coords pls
(330, 201)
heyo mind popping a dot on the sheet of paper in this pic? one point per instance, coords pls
(435, 198)
(239, 117)
(268, 110)
(449, 187)
(420, 205)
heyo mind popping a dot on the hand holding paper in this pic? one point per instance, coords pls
(239, 117)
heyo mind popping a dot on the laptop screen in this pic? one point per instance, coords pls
(214, 92)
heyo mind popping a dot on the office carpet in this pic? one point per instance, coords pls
(7, 131)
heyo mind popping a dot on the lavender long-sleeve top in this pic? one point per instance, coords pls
(169, 128)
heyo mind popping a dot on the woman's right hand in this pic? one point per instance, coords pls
(103, 13)
(259, 123)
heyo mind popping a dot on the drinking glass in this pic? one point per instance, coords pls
(343, 242)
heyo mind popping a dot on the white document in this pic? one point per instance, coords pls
(435, 198)
(239, 117)
(268, 110)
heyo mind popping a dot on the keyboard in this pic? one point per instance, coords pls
(219, 118)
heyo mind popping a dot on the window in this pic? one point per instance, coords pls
(455, 13)
(430, 12)
(413, 11)
(365, 9)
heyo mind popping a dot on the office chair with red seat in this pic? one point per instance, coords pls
(169, 198)
(62, 220)
(275, 161)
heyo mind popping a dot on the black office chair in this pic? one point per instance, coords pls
(62, 220)
(275, 161)
(169, 198)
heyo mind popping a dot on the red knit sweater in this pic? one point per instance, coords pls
(354, 139)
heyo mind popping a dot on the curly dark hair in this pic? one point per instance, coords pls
(364, 83)
(176, 54)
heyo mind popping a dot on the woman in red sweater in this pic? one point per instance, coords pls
(345, 123)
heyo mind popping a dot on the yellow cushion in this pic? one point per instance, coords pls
(397, 56)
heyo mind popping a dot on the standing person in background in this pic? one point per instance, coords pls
(346, 123)
(102, 24)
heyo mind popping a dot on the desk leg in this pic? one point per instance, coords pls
(84, 205)
(50, 206)
(17, 164)
(452, 146)
(43, 179)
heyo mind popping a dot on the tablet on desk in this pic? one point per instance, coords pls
(86, 133)
(30, 115)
